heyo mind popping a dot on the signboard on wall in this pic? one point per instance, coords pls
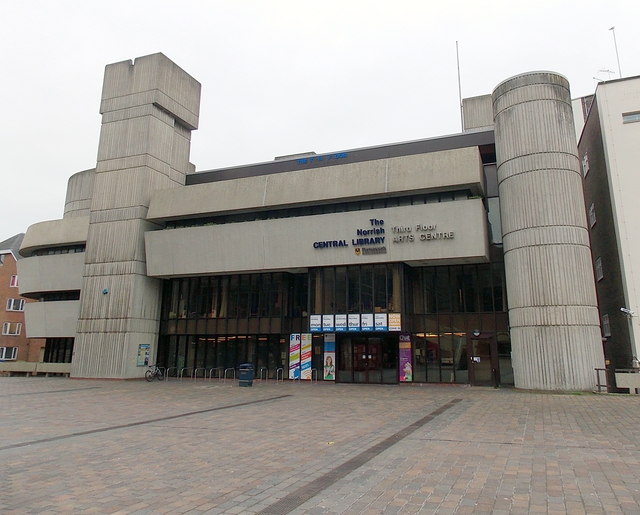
(395, 323)
(315, 323)
(328, 323)
(355, 322)
(366, 322)
(144, 350)
(380, 321)
(341, 322)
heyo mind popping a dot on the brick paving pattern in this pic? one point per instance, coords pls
(74, 446)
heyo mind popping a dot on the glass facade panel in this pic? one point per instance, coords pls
(217, 323)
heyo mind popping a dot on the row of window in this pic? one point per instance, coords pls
(69, 249)
(8, 353)
(320, 209)
(11, 328)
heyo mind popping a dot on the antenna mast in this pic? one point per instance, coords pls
(459, 89)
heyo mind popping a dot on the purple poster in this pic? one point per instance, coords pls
(404, 352)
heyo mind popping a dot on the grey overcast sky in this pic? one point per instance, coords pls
(280, 76)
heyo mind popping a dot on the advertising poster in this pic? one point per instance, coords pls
(327, 323)
(294, 356)
(380, 321)
(143, 354)
(395, 322)
(366, 321)
(305, 356)
(404, 353)
(315, 323)
(354, 321)
(329, 368)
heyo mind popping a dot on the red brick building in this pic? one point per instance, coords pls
(14, 344)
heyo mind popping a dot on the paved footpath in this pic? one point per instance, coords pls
(76, 446)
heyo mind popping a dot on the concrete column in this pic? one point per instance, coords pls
(555, 327)
(149, 108)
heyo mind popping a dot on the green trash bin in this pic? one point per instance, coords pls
(245, 374)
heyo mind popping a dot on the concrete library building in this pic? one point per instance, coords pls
(457, 259)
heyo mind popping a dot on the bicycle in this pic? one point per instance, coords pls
(154, 372)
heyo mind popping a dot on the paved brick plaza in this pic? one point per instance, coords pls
(74, 446)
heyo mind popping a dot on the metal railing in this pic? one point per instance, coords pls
(229, 370)
(194, 374)
(218, 372)
(599, 385)
(182, 371)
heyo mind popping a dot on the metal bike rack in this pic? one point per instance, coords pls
(163, 372)
(194, 375)
(314, 375)
(227, 370)
(181, 374)
(168, 370)
(218, 371)
(264, 373)
(280, 374)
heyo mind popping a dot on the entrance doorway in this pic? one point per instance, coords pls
(482, 352)
(367, 359)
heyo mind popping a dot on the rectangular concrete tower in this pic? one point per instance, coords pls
(149, 108)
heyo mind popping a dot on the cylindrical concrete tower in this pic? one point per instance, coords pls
(555, 327)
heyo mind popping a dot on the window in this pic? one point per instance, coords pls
(15, 304)
(592, 215)
(631, 117)
(14, 281)
(7, 353)
(599, 273)
(585, 164)
(11, 328)
(606, 328)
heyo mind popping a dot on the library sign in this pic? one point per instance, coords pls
(373, 239)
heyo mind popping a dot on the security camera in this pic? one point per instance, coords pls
(628, 311)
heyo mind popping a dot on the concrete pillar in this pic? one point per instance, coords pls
(553, 315)
(149, 108)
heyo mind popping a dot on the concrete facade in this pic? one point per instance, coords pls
(149, 108)
(552, 304)
(609, 154)
(147, 219)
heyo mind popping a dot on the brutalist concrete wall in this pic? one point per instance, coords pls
(555, 333)
(149, 108)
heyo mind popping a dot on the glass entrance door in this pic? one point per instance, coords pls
(483, 360)
(367, 359)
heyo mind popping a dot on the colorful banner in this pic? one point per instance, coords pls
(329, 361)
(395, 322)
(294, 356)
(404, 354)
(341, 322)
(380, 321)
(305, 356)
(366, 322)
